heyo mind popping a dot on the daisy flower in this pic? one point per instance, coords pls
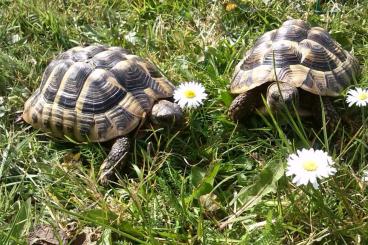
(358, 96)
(131, 37)
(308, 166)
(365, 176)
(190, 94)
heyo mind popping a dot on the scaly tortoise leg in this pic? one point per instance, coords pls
(331, 116)
(244, 105)
(115, 160)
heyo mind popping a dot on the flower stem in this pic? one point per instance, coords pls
(364, 138)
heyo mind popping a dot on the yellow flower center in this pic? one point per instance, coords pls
(230, 6)
(310, 165)
(363, 96)
(189, 94)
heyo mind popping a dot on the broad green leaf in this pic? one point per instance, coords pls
(106, 237)
(202, 181)
(19, 222)
(197, 175)
(264, 184)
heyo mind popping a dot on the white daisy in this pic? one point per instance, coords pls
(190, 94)
(308, 166)
(131, 37)
(365, 176)
(358, 96)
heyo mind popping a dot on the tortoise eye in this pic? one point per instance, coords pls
(275, 96)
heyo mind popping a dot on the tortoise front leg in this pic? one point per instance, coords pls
(115, 160)
(244, 105)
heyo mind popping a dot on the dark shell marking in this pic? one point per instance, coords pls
(95, 93)
(297, 54)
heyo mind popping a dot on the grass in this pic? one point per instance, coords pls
(213, 182)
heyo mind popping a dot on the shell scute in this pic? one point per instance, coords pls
(51, 84)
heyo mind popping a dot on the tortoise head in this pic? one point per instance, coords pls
(281, 94)
(167, 114)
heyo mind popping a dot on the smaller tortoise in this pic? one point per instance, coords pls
(99, 93)
(295, 64)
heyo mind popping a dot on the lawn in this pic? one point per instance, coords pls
(213, 181)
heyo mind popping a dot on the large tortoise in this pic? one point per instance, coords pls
(295, 64)
(99, 93)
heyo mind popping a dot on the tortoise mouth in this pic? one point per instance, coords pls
(281, 95)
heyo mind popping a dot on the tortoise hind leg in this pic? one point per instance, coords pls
(331, 116)
(115, 160)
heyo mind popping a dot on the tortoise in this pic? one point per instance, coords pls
(295, 65)
(99, 93)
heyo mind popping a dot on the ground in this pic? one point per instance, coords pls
(212, 182)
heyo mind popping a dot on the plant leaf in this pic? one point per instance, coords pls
(264, 184)
(19, 222)
(203, 181)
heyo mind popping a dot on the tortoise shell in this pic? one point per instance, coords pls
(299, 55)
(95, 93)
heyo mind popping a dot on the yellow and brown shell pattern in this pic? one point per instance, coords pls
(299, 55)
(95, 93)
